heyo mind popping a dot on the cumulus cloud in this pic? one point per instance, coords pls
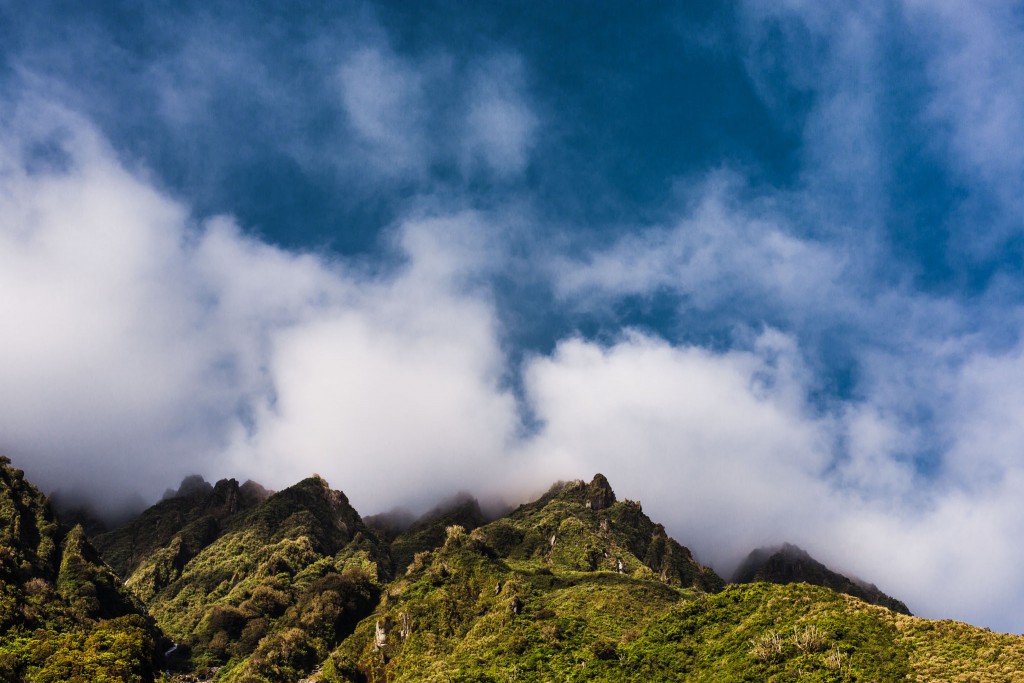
(708, 440)
(115, 372)
(142, 346)
(405, 377)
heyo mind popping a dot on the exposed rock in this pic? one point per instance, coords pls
(599, 493)
(380, 635)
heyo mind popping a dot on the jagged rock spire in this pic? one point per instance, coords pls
(599, 493)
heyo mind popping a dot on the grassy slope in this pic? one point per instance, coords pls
(600, 626)
(462, 613)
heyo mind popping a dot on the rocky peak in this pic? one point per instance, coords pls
(192, 485)
(791, 564)
(599, 493)
(225, 496)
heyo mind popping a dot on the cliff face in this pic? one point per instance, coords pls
(790, 564)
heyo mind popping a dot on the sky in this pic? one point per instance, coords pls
(760, 263)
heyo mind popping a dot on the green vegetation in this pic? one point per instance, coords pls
(188, 521)
(549, 592)
(767, 632)
(262, 592)
(428, 532)
(789, 564)
(471, 617)
(580, 587)
(576, 586)
(64, 616)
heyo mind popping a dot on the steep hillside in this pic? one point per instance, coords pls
(583, 527)
(195, 515)
(428, 532)
(466, 616)
(578, 586)
(557, 582)
(63, 613)
(281, 584)
(790, 564)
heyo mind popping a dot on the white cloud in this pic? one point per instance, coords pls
(139, 348)
(959, 107)
(984, 417)
(720, 253)
(394, 392)
(876, 465)
(103, 355)
(720, 447)
(818, 68)
(974, 64)
(954, 559)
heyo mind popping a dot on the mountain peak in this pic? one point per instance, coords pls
(600, 493)
(788, 563)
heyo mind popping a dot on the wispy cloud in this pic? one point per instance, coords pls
(385, 101)
(975, 105)
(411, 115)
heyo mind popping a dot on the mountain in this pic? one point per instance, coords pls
(176, 528)
(559, 581)
(789, 564)
(238, 584)
(429, 531)
(255, 586)
(64, 615)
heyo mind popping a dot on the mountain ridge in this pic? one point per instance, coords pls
(257, 586)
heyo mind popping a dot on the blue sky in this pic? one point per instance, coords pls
(759, 263)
